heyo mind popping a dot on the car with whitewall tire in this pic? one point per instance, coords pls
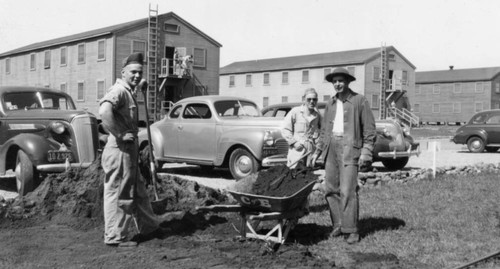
(481, 133)
(42, 132)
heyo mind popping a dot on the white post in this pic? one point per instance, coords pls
(435, 148)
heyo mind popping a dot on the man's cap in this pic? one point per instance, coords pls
(134, 58)
(340, 71)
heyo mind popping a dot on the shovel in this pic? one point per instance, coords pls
(142, 86)
(277, 182)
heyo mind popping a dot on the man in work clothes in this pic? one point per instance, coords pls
(301, 128)
(125, 196)
(346, 143)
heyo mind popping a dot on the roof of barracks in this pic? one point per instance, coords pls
(457, 75)
(350, 57)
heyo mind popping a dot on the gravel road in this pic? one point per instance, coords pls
(449, 154)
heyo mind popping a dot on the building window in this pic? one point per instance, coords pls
(457, 107)
(375, 101)
(417, 89)
(326, 71)
(171, 28)
(284, 78)
(7, 66)
(352, 70)
(266, 78)
(478, 106)
(101, 50)
(231, 81)
(265, 101)
(416, 108)
(497, 87)
(404, 78)
(376, 73)
(139, 47)
(63, 87)
(284, 99)
(391, 57)
(32, 61)
(479, 87)
(64, 56)
(457, 88)
(101, 89)
(248, 80)
(326, 97)
(436, 89)
(80, 94)
(46, 61)
(305, 76)
(435, 108)
(200, 56)
(81, 53)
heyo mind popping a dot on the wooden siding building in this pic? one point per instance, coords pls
(85, 65)
(279, 80)
(454, 95)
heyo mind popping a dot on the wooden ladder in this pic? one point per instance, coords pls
(153, 38)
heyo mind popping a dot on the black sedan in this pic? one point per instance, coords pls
(481, 133)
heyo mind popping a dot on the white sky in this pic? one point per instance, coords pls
(432, 34)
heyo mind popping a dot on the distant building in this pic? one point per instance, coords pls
(182, 61)
(454, 95)
(281, 80)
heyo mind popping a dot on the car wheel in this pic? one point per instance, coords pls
(26, 174)
(242, 163)
(475, 144)
(395, 164)
(491, 149)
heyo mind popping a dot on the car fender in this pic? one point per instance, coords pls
(156, 137)
(480, 133)
(35, 146)
(251, 139)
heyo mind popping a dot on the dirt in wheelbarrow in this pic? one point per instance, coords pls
(60, 225)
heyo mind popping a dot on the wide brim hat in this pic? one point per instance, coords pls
(339, 71)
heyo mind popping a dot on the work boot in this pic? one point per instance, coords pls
(353, 238)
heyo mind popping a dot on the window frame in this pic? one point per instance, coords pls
(481, 87)
(375, 104)
(103, 42)
(195, 57)
(265, 101)
(248, 80)
(353, 73)
(81, 53)
(326, 71)
(266, 82)
(32, 61)
(497, 86)
(434, 106)
(284, 99)
(305, 76)
(46, 59)
(103, 88)
(416, 107)
(7, 66)
(283, 76)
(65, 87)
(232, 81)
(436, 89)
(166, 29)
(78, 83)
(377, 70)
(63, 56)
(134, 49)
(457, 87)
(326, 97)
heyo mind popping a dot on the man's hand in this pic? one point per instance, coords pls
(128, 137)
(298, 146)
(312, 161)
(365, 161)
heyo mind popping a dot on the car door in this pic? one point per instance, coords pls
(170, 132)
(492, 128)
(196, 133)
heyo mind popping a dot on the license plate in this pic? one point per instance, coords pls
(60, 155)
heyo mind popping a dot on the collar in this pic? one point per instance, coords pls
(303, 108)
(350, 94)
(126, 86)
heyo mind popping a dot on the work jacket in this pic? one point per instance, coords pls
(359, 128)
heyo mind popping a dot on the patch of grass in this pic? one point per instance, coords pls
(437, 131)
(441, 223)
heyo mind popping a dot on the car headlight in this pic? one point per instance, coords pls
(268, 138)
(57, 127)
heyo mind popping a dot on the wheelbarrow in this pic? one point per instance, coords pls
(256, 208)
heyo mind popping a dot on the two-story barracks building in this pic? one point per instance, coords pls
(454, 95)
(281, 80)
(85, 65)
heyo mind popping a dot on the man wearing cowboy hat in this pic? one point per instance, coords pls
(346, 143)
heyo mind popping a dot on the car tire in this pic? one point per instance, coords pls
(491, 149)
(242, 164)
(395, 164)
(475, 144)
(26, 174)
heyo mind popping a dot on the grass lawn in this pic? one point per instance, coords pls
(441, 223)
(433, 131)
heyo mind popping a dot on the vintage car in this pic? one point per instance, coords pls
(42, 132)
(214, 131)
(394, 145)
(482, 132)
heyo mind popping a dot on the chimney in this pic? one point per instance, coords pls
(451, 67)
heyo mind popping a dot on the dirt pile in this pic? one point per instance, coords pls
(75, 198)
(277, 181)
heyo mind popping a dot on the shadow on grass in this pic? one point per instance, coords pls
(371, 225)
(309, 233)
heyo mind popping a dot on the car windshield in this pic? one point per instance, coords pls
(231, 108)
(37, 100)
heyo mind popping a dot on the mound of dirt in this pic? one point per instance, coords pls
(277, 181)
(75, 198)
